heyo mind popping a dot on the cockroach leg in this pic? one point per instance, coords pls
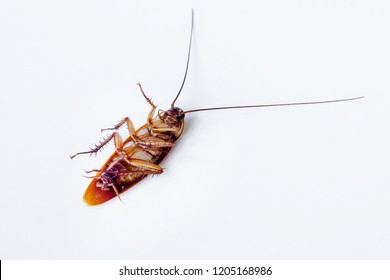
(160, 113)
(148, 166)
(118, 141)
(91, 177)
(111, 172)
(127, 172)
(148, 145)
(151, 113)
(144, 144)
(105, 181)
(150, 123)
(116, 192)
(97, 147)
(117, 126)
(164, 129)
(147, 98)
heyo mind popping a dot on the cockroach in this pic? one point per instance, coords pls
(142, 152)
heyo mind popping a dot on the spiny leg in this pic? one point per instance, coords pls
(140, 143)
(147, 98)
(117, 139)
(147, 168)
(152, 111)
(164, 129)
(153, 130)
(119, 142)
(117, 126)
(116, 192)
(129, 123)
(126, 119)
(98, 147)
(149, 145)
(145, 165)
(150, 119)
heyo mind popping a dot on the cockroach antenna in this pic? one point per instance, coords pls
(271, 105)
(188, 59)
(241, 106)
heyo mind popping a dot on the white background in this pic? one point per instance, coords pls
(307, 182)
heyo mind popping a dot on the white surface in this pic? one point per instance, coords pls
(307, 182)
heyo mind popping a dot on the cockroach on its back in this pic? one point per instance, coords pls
(142, 152)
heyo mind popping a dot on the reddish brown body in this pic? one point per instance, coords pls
(135, 158)
(95, 195)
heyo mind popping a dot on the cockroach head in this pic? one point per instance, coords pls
(172, 115)
(176, 113)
